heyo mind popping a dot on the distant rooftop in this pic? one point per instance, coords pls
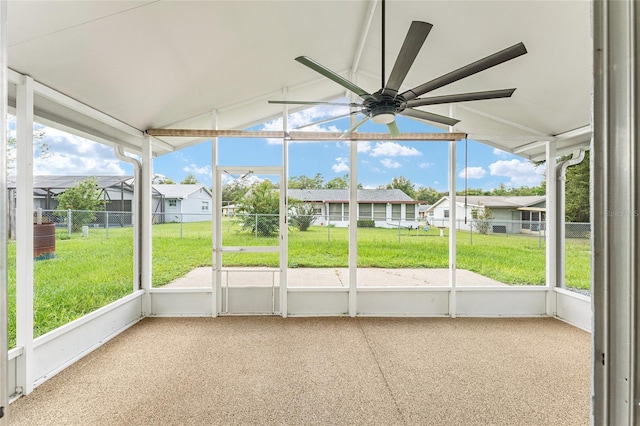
(342, 195)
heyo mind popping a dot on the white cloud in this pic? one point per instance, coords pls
(520, 173)
(73, 155)
(425, 165)
(500, 153)
(364, 146)
(473, 173)
(305, 117)
(390, 164)
(198, 170)
(341, 165)
(393, 149)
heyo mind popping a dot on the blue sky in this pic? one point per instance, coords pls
(424, 163)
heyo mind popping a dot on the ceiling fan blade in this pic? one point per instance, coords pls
(473, 68)
(417, 34)
(393, 129)
(334, 76)
(315, 103)
(462, 97)
(345, 135)
(429, 116)
(337, 117)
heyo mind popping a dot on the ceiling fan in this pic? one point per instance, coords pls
(383, 106)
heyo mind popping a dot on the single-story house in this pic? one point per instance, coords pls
(171, 203)
(510, 214)
(388, 208)
(182, 203)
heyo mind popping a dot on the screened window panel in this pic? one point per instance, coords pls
(410, 213)
(396, 211)
(379, 211)
(365, 211)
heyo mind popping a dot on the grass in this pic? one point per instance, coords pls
(88, 273)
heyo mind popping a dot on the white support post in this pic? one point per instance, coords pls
(4, 228)
(144, 186)
(24, 234)
(615, 212)
(551, 229)
(561, 179)
(284, 206)
(453, 207)
(216, 217)
(353, 228)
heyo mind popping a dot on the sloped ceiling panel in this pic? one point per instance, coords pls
(173, 63)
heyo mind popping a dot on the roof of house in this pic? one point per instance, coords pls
(52, 182)
(179, 190)
(496, 201)
(342, 195)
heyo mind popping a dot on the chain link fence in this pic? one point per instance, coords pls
(268, 225)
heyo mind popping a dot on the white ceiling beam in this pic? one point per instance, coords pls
(528, 147)
(308, 136)
(85, 110)
(581, 131)
(507, 122)
(364, 34)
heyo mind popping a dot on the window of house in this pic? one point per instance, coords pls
(365, 211)
(335, 211)
(396, 211)
(410, 213)
(446, 213)
(205, 206)
(379, 211)
(173, 203)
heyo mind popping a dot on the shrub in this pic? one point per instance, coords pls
(301, 215)
(366, 223)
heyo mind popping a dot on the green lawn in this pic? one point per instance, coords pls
(88, 273)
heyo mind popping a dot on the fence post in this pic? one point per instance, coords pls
(539, 235)
(181, 220)
(471, 232)
(69, 221)
(106, 223)
(256, 225)
(398, 230)
(328, 228)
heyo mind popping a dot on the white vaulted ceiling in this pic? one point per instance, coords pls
(173, 63)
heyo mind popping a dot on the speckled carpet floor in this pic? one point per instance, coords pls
(324, 371)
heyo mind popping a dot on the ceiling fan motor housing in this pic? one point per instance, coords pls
(383, 108)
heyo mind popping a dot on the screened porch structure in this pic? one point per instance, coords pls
(151, 78)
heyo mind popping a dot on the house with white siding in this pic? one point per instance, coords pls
(182, 203)
(388, 208)
(511, 214)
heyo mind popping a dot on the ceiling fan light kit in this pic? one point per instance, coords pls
(383, 106)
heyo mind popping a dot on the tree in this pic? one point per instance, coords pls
(159, 179)
(338, 183)
(190, 179)
(259, 209)
(84, 199)
(404, 185)
(233, 192)
(300, 214)
(41, 149)
(428, 195)
(577, 205)
(305, 182)
(482, 219)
